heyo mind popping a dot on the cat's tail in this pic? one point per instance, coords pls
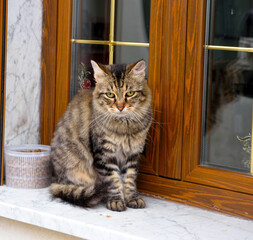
(79, 195)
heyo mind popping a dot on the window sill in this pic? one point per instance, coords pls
(160, 220)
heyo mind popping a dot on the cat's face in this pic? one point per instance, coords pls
(121, 89)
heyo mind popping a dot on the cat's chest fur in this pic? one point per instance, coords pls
(126, 146)
(122, 146)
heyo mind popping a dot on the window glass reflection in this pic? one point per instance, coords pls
(228, 87)
(228, 111)
(91, 19)
(81, 66)
(231, 22)
(132, 20)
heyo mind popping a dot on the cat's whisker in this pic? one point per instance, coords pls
(138, 114)
(145, 110)
(104, 119)
(107, 120)
(141, 118)
(139, 121)
(102, 114)
(157, 123)
(153, 119)
(98, 120)
(154, 110)
(149, 138)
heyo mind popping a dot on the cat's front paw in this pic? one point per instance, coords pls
(136, 203)
(116, 205)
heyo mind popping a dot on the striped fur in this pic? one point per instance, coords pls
(98, 140)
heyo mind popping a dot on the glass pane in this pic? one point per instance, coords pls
(228, 88)
(231, 22)
(81, 70)
(132, 20)
(91, 19)
(126, 54)
(228, 113)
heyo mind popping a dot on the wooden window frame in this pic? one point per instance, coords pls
(174, 44)
(3, 37)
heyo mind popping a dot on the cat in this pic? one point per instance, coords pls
(98, 141)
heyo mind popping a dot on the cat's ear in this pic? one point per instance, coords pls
(138, 68)
(99, 72)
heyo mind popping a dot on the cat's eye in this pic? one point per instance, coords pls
(130, 93)
(110, 95)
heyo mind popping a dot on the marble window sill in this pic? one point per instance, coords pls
(160, 220)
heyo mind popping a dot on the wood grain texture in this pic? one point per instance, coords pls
(171, 87)
(166, 80)
(223, 179)
(63, 58)
(197, 195)
(48, 70)
(193, 86)
(149, 163)
(56, 55)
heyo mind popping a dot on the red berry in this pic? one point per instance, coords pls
(86, 84)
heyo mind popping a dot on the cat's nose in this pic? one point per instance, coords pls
(120, 107)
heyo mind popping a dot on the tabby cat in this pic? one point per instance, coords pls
(98, 140)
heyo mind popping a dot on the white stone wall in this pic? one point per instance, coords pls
(23, 72)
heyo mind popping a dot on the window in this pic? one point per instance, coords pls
(184, 75)
(227, 102)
